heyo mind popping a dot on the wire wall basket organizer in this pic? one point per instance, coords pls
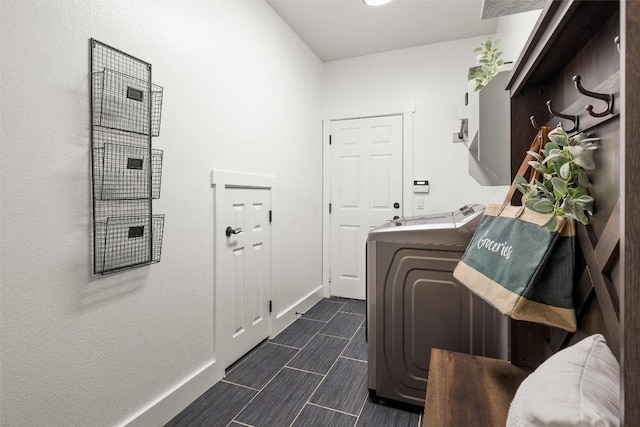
(126, 171)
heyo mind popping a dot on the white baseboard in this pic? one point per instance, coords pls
(168, 406)
(288, 315)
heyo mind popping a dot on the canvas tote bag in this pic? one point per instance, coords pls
(521, 268)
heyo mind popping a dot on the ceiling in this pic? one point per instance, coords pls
(338, 29)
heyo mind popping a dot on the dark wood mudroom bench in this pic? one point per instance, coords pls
(598, 41)
(466, 390)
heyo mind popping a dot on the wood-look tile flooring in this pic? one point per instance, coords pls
(314, 373)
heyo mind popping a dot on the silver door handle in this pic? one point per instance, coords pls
(229, 231)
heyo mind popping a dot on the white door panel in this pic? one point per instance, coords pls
(379, 179)
(366, 182)
(350, 177)
(245, 260)
(348, 267)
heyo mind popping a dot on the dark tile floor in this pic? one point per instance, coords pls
(314, 373)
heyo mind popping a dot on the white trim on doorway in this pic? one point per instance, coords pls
(242, 179)
(407, 112)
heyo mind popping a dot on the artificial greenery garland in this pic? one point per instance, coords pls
(563, 164)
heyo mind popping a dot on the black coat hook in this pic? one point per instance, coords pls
(574, 119)
(532, 119)
(608, 98)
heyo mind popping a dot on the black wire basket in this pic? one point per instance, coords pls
(122, 102)
(125, 242)
(121, 172)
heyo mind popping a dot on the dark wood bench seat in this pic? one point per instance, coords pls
(466, 390)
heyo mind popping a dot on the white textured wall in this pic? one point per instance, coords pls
(243, 93)
(513, 32)
(434, 77)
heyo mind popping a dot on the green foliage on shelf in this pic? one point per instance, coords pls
(488, 61)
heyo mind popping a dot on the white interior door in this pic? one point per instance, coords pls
(243, 271)
(366, 191)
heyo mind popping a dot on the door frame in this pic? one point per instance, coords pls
(406, 111)
(221, 180)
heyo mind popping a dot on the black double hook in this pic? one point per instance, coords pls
(574, 119)
(606, 97)
(535, 124)
(555, 113)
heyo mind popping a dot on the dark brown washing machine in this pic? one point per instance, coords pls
(415, 304)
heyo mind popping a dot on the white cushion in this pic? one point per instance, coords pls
(578, 386)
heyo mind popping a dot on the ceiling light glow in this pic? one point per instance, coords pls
(376, 2)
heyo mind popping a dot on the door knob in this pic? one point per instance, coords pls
(229, 231)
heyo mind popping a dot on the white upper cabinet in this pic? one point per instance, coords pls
(489, 132)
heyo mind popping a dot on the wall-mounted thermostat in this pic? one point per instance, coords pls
(420, 186)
